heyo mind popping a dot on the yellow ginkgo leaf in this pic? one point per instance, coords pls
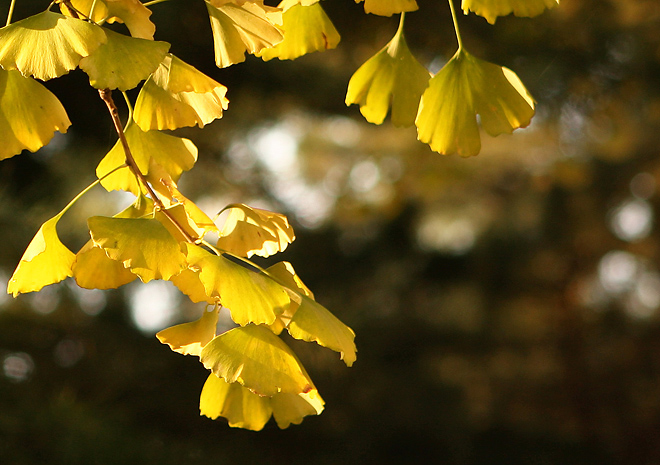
(464, 88)
(48, 45)
(199, 222)
(45, 261)
(134, 14)
(257, 359)
(123, 61)
(92, 269)
(251, 231)
(99, 14)
(174, 154)
(188, 280)
(241, 407)
(284, 274)
(306, 29)
(491, 9)
(393, 76)
(142, 245)
(178, 95)
(388, 7)
(190, 338)
(242, 27)
(245, 409)
(250, 296)
(29, 114)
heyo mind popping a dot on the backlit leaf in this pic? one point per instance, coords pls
(388, 7)
(250, 296)
(251, 231)
(240, 28)
(178, 95)
(491, 9)
(134, 14)
(291, 408)
(92, 269)
(48, 45)
(142, 245)
(283, 273)
(259, 360)
(27, 123)
(45, 261)
(174, 154)
(84, 6)
(190, 338)
(306, 29)
(464, 88)
(123, 61)
(393, 76)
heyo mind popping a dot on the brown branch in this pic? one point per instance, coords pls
(106, 96)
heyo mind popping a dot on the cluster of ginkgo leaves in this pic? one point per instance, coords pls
(164, 235)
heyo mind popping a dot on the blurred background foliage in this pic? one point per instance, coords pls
(506, 306)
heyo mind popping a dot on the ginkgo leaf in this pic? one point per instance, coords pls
(240, 28)
(393, 76)
(142, 245)
(174, 154)
(99, 14)
(92, 269)
(29, 114)
(306, 29)
(190, 338)
(251, 297)
(45, 261)
(48, 45)
(388, 7)
(251, 231)
(245, 409)
(123, 61)
(464, 88)
(283, 273)
(134, 14)
(241, 407)
(198, 221)
(257, 359)
(178, 95)
(491, 9)
(313, 322)
(291, 408)
(188, 280)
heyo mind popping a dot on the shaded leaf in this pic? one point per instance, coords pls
(92, 269)
(306, 29)
(491, 9)
(393, 76)
(29, 114)
(464, 88)
(45, 261)
(190, 338)
(257, 359)
(61, 42)
(251, 231)
(291, 408)
(123, 61)
(388, 7)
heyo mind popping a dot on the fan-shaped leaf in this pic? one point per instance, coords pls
(48, 45)
(92, 269)
(45, 261)
(190, 338)
(291, 408)
(491, 9)
(259, 360)
(29, 114)
(392, 75)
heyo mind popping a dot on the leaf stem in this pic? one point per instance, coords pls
(106, 96)
(86, 190)
(154, 2)
(11, 12)
(455, 20)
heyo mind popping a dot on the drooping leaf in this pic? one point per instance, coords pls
(250, 296)
(48, 45)
(242, 27)
(257, 359)
(178, 95)
(306, 29)
(241, 407)
(283, 273)
(142, 245)
(123, 61)
(134, 14)
(252, 231)
(388, 7)
(29, 114)
(92, 269)
(491, 9)
(190, 338)
(291, 408)
(188, 281)
(174, 154)
(393, 76)
(45, 261)
(197, 222)
(464, 88)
